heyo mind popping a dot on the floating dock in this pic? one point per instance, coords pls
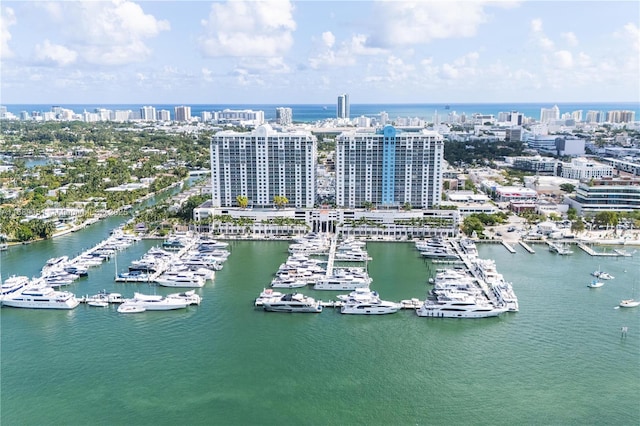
(527, 247)
(592, 252)
(508, 247)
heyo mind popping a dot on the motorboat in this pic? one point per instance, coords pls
(152, 302)
(280, 282)
(292, 302)
(185, 279)
(13, 284)
(595, 284)
(98, 304)
(133, 276)
(561, 249)
(104, 297)
(40, 297)
(79, 270)
(598, 273)
(131, 308)
(344, 279)
(458, 305)
(629, 303)
(503, 290)
(364, 301)
(267, 293)
(188, 296)
(380, 307)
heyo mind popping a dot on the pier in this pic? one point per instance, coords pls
(332, 255)
(527, 247)
(592, 252)
(508, 247)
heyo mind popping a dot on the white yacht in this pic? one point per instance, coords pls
(458, 305)
(363, 301)
(188, 296)
(343, 280)
(152, 302)
(185, 279)
(286, 282)
(131, 308)
(292, 302)
(40, 298)
(133, 276)
(104, 296)
(267, 293)
(13, 284)
(503, 290)
(595, 284)
(629, 303)
(370, 308)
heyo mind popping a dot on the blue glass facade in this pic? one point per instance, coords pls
(388, 165)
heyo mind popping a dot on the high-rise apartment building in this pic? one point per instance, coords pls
(182, 113)
(148, 113)
(164, 115)
(549, 114)
(389, 168)
(262, 164)
(284, 116)
(343, 106)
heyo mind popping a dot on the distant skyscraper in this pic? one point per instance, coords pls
(343, 106)
(164, 115)
(182, 113)
(284, 116)
(549, 114)
(148, 113)
(389, 167)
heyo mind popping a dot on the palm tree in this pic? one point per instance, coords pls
(280, 201)
(243, 201)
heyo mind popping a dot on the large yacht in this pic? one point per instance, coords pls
(154, 302)
(455, 304)
(503, 290)
(13, 284)
(39, 297)
(185, 279)
(364, 301)
(292, 302)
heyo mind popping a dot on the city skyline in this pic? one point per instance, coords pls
(306, 52)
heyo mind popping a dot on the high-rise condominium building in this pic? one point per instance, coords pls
(148, 113)
(389, 168)
(549, 114)
(164, 115)
(343, 106)
(262, 164)
(182, 113)
(284, 116)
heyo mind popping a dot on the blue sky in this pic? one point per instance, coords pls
(250, 52)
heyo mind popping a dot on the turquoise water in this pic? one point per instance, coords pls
(560, 360)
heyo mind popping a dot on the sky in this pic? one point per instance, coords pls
(309, 52)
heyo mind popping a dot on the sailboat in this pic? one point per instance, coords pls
(630, 303)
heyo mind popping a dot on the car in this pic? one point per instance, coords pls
(499, 234)
(511, 229)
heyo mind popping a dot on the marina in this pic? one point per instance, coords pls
(242, 342)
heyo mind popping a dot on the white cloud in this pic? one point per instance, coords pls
(328, 38)
(631, 33)
(107, 33)
(570, 38)
(7, 19)
(55, 54)
(563, 59)
(246, 28)
(538, 35)
(207, 74)
(408, 23)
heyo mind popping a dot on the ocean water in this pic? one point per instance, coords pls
(318, 112)
(560, 360)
